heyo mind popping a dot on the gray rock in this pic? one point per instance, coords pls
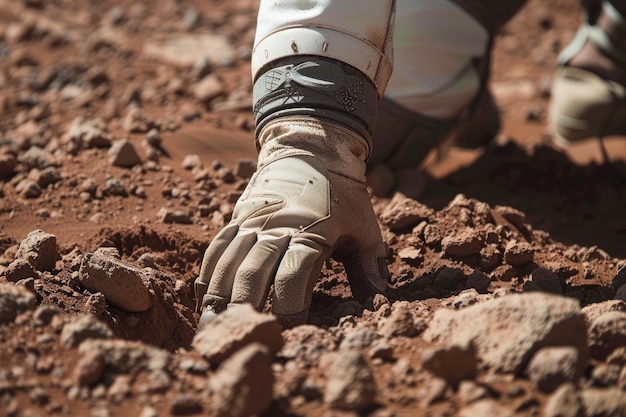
(35, 157)
(40, 249)
(607, 333)
(359, 338)
(122, 284)
(14, 300)
(235, 328)
(243, 384)
(564, 402)
(553, 366)
(114, 187)
(350, 384)
(89, 133)
(306, 343)
(123, 154)
(127, 357)
(47, 176)
(138, 121)
(83, 327)
(508, 330)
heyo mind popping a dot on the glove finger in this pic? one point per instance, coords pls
(253, 278)
(367, 271)
(212, 254)
(221, 281)
(295, 278)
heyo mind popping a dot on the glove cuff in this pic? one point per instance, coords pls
(317, 87)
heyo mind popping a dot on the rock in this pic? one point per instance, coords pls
(89, 133)
(404, 213)
(359, 338)
(605, 375)
(595, 310)
(306, 343)
(553, 366)
(604, 402)
(122, 284)
(28, 188)
(123, 154)
(547, 281)
(454, 362)
(138, 121)
(466, 242)
(379, 301)
(209, 88)
(401, 322)
(518, 253)
(47, 176)
(14, 300)
(192, 161)
(45, 313)
(127, 357)
(114, 187)
(173, 216)
(486, 407)
(243, 384)
(96, 304)
(607, 333)
(381, 349)
(40, 249)
(245, 168)
(184, 50)
(8, 163)
(350, 384)
(516, 217)
(465, 299)
(35, 157)
(490, 257)
(235, 328)
(83, 327)
(506, 331)
(89, 368)
(564, 402)
(470, 391)
(20, 269)
(184, 404)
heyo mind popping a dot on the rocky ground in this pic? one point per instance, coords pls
(125, 140)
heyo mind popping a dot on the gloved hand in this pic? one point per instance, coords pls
(307, 200)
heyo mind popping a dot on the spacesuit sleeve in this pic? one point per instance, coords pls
(355, 32)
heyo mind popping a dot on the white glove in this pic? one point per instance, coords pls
(307, 200)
